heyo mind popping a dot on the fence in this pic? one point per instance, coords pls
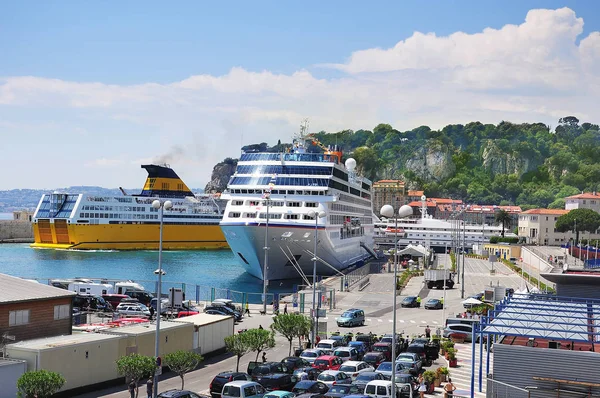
(498, 389)
(360, 276)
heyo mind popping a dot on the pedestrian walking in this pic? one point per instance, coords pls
(449, 389)
(422, 386)
(264, 357)
(247, 311)
(285, 308)
(427, 332)
(151, 312)
(150, 388)
(132, 386)
(418, 301)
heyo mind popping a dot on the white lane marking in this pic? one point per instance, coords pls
(369, 320)
(401, 320)
(423, 321)
(436, 322)
(413, 322)
(379, 320)
(391, 320)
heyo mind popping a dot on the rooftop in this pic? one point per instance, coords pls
(202, 319)
(60, 341)
(15, 290)
(143, 328)
(585, 195)
(556, 212)
(414, 193)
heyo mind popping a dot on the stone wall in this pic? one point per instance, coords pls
(16, 230)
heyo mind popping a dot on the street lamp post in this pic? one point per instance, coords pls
(160, 206)
(388, 211)
(316, 216)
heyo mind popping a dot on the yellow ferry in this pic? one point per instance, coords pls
(129, 222)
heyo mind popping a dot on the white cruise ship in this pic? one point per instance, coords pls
(287, 187)
(433, 233)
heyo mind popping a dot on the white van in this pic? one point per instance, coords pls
(381, 389)
(242, 389)
(91, 289)
(328, 345)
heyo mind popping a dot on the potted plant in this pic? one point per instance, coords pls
(445, 344)
(442, 373)
(458, 337)
(429, 377)
(451, 356)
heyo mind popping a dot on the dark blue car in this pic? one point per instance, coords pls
(360, 347)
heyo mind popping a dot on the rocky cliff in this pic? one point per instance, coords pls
(432, 162)
(220, 175)
(498, 161)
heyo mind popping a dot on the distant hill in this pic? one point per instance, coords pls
(19, 199)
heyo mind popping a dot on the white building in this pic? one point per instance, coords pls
(583, 201)
(537, 227)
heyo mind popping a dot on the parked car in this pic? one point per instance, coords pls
(409, 385)
(95, 303)
(466, 329)
(276, 381)
(385, 369)
(389, 338)
(328, 346)
(360, 347)
(367, 338)
(381, 389)
(429, 352)
(351, 317)
(342, 390)
(242, 389)
(327, 362)
(279, 394)
(334, 377)
(342, 339)
(309, 386)
(216, 385)
(178, 394)
(142, 296)
(413, 359)
(224, 309)
(354, 368)
(131, 309)
(346, 353)
(256, 369)
(218, 312)
(374, 358)
(310, 355)
(364, 378)
(434, 304)
(293, 363)
(114, 299)
(307, 373)
(310, 395)
(384, 348)
(410, 301)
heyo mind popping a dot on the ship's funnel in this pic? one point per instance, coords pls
(162, 181)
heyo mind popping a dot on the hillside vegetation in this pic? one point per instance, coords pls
(524, 164)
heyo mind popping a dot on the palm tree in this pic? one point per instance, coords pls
(502, 216)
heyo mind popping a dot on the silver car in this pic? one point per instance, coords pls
(311, 354)
(133, 309)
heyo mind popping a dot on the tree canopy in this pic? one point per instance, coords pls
(578, 220)
(39, 384)
(182, 362)
(136, 367)
(290, 326)
(259, 340)
(238, 346)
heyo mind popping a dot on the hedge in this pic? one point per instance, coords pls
(499, 239)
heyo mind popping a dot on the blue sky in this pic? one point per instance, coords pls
(93, 89)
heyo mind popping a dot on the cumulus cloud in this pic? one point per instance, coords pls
(534, 71)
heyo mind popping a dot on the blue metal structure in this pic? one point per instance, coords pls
(542, 316)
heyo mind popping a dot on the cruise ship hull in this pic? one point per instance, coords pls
(61, 235)
(247, 241)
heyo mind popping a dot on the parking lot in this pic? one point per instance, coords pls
(376, 301)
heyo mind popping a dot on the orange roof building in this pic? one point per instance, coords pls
(584, 200)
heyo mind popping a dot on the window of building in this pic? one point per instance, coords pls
(62, 311)
(234, 214)
(310, 204)
(237, 202)
(292, 216)
(293, 204)
(20, 317)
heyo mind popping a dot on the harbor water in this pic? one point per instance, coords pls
(198, 272)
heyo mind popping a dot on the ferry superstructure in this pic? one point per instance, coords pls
(129, 222)
(288, 186)
(433, 233)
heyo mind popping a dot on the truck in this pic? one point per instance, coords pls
(436, 278)
(131, 286)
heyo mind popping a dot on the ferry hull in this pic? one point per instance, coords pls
(247, 243)
(127, 236)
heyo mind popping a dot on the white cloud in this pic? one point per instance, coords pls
(535, 71)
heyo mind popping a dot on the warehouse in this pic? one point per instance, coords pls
(209, 331)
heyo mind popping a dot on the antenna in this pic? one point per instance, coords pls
(304, 127)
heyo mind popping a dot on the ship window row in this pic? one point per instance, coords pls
(105, 199)
(350, 209)
(120, 216)
(158, 222)
(278, 169)
(294, 157)
(350, 232)
(286, 181)
(277, 192)
(274, 203)
(117, 208)
(272, 216)
(355, 200)
(337, 219)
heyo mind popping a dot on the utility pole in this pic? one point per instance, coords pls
(462, 287)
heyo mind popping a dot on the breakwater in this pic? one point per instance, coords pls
(16, 231)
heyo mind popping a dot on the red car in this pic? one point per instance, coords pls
(327, 362)
(384, 348)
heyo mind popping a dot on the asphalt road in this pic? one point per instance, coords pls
(377, 302)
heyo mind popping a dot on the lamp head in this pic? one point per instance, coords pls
(156, 204)
(405, 211)
(321, 214)
(168, 205)
(160, 271)
(387, 211)
(311, 214)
